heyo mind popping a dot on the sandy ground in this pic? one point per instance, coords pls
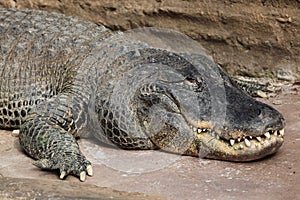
(166, 175)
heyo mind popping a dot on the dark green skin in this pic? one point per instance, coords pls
(62, 77)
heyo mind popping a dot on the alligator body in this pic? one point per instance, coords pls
(62, 77)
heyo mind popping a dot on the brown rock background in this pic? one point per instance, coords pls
(246, 37)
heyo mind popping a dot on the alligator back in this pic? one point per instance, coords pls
(42, 55)
(57, 66)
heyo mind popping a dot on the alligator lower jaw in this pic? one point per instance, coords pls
(242, 149)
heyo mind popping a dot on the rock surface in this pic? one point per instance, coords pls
(254, 38)
(16, 188)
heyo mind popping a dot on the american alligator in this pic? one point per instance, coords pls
(62, 77)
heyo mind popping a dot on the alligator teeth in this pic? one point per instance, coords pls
(239, 139)
(267, 134)
(275, 133)
(232, 141)
(247, 142)
(250, 137)
(281, 132)
(199, 130)
(258, 139)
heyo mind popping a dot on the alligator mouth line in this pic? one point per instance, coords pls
(246, 141)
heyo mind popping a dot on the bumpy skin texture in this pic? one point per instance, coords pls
(43, 85)
(61, 77)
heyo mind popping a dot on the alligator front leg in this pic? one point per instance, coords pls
(47, 137)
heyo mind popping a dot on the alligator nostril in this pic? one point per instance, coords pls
(256, 113)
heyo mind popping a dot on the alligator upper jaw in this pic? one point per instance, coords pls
(246, 148)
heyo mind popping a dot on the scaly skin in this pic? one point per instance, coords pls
(62, 76)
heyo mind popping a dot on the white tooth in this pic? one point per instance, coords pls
(241, 146)
(239, 139)
(232, 141)
(204, 130)
(218, 137)
(195, 129)
(247, 142)
(199, 130)
(258, 138)
(267, 134)
(281, 132)
(275, 133)
(250, 137)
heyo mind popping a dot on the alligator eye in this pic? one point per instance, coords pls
(192, 80)
(196, 84)
(258, 112)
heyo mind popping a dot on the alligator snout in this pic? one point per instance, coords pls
(246, 116)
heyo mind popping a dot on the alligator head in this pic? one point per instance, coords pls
(192, 107)
(183, 102)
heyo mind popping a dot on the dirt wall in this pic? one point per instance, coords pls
(254, 38)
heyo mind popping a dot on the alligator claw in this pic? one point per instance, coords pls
(89, 170)
(82, 176)
(62, 175)
(15, 133)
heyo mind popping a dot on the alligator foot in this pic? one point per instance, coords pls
(77, 165)
(54, 148)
